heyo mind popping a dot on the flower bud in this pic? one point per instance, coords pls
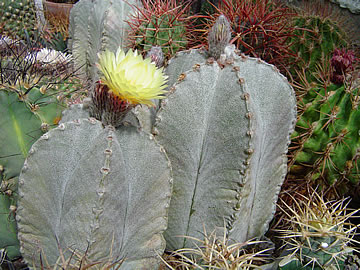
(219, 36)
(156, 55)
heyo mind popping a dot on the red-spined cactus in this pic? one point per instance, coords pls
(341, 63)
(260, 28)
(160, 23)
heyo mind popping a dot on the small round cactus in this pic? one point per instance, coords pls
(159, 23)
(319, 234)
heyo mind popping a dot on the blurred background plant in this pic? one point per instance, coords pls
(16, 17)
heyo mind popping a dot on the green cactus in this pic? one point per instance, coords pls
(319, 235)
(327, 135)
(31, 104)
(94, 27)
(314, 40)
(218, 128)
(17, 15)
(8, 237)
(159, 23)
(24, 121)
(161, 32)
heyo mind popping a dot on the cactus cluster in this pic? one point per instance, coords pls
(17, 16)
(215, 139)
(325, 145)
(211, 156)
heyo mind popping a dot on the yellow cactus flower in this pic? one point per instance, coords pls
(132, 78)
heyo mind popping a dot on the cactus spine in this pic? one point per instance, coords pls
(319, 236)
(159, 23)
(314, 40)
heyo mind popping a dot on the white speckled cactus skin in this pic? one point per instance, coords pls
(352, 5)
(95, 26)
(101, 190)
(226, 131)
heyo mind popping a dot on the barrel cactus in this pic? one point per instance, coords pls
(260, 28)
(111, 189)
(326, 144)
(218, 127)
(320, 234)
(160, 23)
(314, 41)
(17, 16)
(94, 27)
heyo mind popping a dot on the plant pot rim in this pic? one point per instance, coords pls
(56, 3)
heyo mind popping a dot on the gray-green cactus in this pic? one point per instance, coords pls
(101, 190)
(96, 26)
(226, 130)
(352, 5)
